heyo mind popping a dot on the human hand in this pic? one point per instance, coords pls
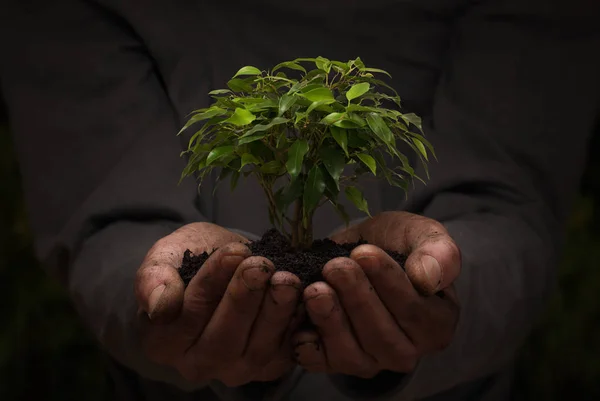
(234, 320)
(370, 314)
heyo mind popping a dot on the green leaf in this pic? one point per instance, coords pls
(313, 190)
(310, 87)
(323, 64)
(358, 107)
(355, 196)
(272, 167)
(368, 161)
(341, 137)
(356, 119)
(296, 155)
(306, 59)
(380, 128)
(289, 64)
(205, 115)
(247, 70)
(357, 62)
(421, 148)
(348, 124)
(283, 142)
(260, 150)
(341, 210)
(219, 92)
(411, 118)
(226, 102)
(235, 176)
(357, 90)
(376, 70)
(383, 168)
(318, 94)
(334, 161)
(292, 192)
(265, 127)
(299, 117)
(379, 96)
(332, 118)
(342, 66)
(218, 153)
(241, 117)
(358, 140)
(201, 133)
(265, 104)
(285, 102)
(425, 142)
(252, 138)
(319, 104)
(248, 158)
(241, 85)
(332, 187)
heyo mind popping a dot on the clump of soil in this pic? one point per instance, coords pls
(307, 264)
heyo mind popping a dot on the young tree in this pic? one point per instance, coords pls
(306, 137)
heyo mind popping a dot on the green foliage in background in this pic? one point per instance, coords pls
(297, 135)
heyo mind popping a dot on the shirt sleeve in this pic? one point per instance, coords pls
(100, 160)
(513, 112)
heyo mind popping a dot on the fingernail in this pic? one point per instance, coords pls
(253, 278)
(284, 293)
(154, 299)
(231, 260)
(432, 270)
(369, 262)
(321, 305)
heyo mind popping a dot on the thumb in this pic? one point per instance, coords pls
(347, 235)
(159, 291)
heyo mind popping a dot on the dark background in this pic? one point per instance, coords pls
(45, 353)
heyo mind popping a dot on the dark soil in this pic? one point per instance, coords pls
(306, 264)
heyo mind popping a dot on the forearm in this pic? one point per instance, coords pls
(507, 274)
(106, 301)
(100, 162)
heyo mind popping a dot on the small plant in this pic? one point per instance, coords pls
(307, 136)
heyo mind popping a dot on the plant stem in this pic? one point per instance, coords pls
(307, 239)
(268, 189)
(296, 224)
(302, 237)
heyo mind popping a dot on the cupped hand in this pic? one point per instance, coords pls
(370, 313)
(234, 320)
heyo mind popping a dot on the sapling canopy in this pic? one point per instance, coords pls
(307, 135)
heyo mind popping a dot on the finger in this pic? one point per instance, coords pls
(308, 351)
(343, 352)
(206, 289)
(276, 369)
(284, 361)
(225, 336)
(426, 321)
(434, 258)
(434, 262)
(376, 329)
(158, 287)
(275, 315)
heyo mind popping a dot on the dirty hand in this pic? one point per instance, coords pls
(370, 314)
(232, 321)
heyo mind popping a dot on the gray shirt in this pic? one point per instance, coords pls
(509, 92)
